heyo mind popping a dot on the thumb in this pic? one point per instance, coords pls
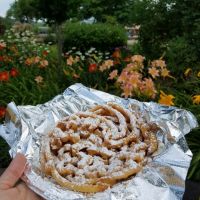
(13, 173)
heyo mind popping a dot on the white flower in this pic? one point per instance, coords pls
(82, 57)
(79, 53)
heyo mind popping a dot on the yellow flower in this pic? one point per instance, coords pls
(198, 74)
(154, 72)
(39, 79)
(196, 99)
(166, 99)
(187, 71)
(165, 72)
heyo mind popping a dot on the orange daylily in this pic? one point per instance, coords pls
(43, 63)
(127, 90)
(39, 79)
(158, 63)
(113, 74)
(148, 88)
(29, 61)
(154, 72)
(36, 59)
(134, 79)
(127, 59)
(123, 77)
(166, 99)
(70, 61)
(137, 58)
(117, 53)
(108, 63)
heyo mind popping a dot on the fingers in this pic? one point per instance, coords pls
(25, 193)
(13, 173)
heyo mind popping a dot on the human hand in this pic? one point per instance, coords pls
(10, 186)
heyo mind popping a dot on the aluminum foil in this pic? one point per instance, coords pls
(162, 178)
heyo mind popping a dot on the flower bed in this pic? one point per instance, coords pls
(29, 75)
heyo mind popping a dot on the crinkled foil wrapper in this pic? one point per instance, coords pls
(162, 178)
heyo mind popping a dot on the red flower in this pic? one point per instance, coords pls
(4, 76)
(14, 72)
(2, 112)
(92, 67)
(127, 59)
(45, 53)
(116, 53)
(1, 59)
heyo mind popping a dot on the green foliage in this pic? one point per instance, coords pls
(2, 26)
(100, 36)
(136, 49)
(192, 139)
(157, 27)
(28, 60)
(169, 24)
(57, 12)
(103, 10)
(23, 10)
(180, 55)
(190, 21)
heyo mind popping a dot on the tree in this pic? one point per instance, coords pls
(54, 12)
(22, 10)
(160, 22)
(190, 21)
(57, 12)
(103, 10)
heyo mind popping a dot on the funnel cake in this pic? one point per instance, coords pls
(91, 151)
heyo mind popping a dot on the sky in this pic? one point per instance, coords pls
(4, 6)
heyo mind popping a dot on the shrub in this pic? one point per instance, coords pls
(180, 54)
(101, 36)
